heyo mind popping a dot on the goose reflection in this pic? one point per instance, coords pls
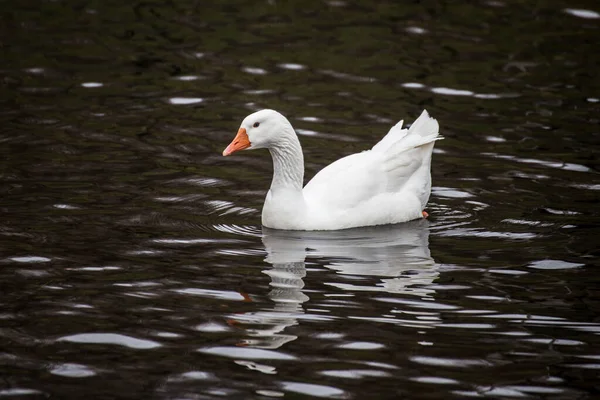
(398, 254)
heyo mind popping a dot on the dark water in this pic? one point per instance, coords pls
(132, 260)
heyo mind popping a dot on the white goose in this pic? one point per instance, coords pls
(388, 184)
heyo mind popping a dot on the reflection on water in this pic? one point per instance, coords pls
(398, 255)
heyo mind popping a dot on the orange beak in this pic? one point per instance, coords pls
(240, 142)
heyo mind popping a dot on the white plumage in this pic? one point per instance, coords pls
(388, 184)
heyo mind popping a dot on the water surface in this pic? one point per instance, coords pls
(132, 260)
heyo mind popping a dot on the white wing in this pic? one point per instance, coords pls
(400, 160)
(348, 181)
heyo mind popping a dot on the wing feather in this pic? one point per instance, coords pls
(401, 157)
(348, 181)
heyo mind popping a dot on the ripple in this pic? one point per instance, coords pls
(36, 70)
(312, 389)
(72, 370)
(215, 294)
(449, 362)
(446, 91)
(361, 346)
(329, 335)
(558, 342)
(467, 326)
(66, 207)
(310, 119)
(254, 70)
(180, 199)
(110, 338)
(200, 181)
(583, 366)
(582, 13)
(512, 333)
(559, 212)
(95, 269)
(240, 252)
(218, 205)
(489, 298)
(450, 192)
(552, 164)
(417, 304)
(536, 389)
(139, 284)
(291, 66)
(452, 92)
(526, 222)
(413, 85)
(586, 186)
(185, 100)
(211, 327)
(92, 84)
(329, 136)
(194, 241)
(554, 264)
(196, 376)
(474, 232)
(187, 78)
(30, 259)
(355, 373)
(258, 92)
(523, 316)
(416, 30)
(494, 96)
(143, 252)
(397, 321)
(435, 380)
(244, 230)
(466, 393)
(499, 391)
(348, 77)
(590, 357)
(270, 393)
(167, 335)
(246, 353)
(380, 365)
(251, 365)
(18, 392)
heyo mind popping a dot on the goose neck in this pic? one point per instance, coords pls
(288, 164)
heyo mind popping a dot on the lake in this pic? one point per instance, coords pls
(133, 264)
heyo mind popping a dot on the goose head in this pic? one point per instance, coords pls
(262, 129)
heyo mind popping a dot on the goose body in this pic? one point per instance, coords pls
(387, 184)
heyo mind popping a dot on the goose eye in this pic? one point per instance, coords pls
(256, 124)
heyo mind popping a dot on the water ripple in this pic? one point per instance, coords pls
(243, 230)
(450, 362)
(70, 370)
(355, 373)
(185, 100)
(247, 353)
(30, 259)
(19, 392)
(313, 389)
(582, 13)
(110, 338)
(554, 264)
(552, 164)
(215, 294)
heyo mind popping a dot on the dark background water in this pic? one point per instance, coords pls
(132, 260)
